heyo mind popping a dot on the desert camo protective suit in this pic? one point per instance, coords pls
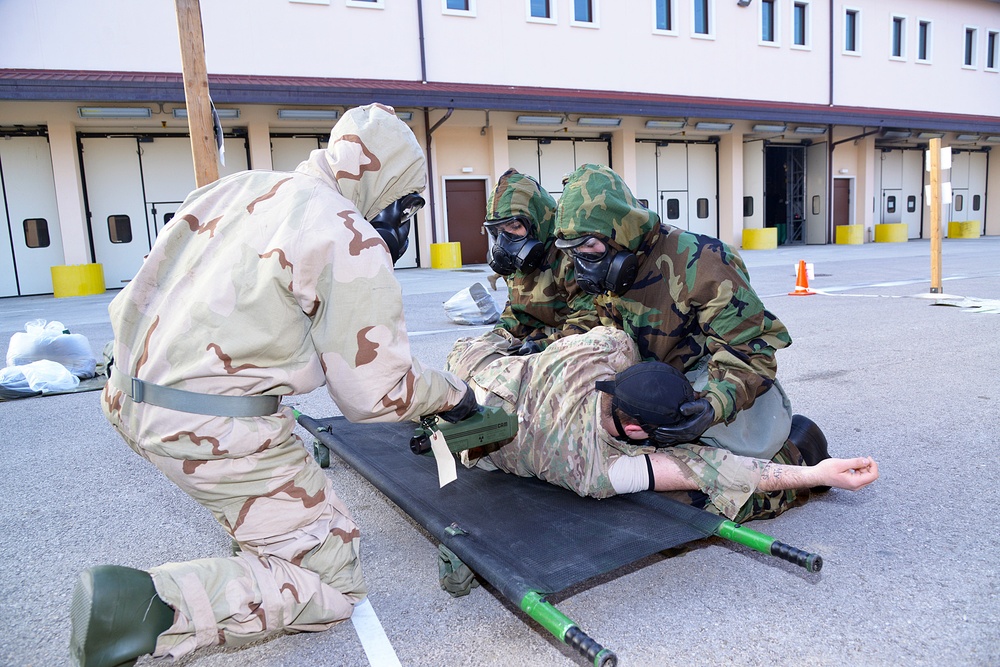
(691, 304)
(544, 305)
(272, 283)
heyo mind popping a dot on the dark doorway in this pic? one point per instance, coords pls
(841, 201)
(465, 206)
(784, 192)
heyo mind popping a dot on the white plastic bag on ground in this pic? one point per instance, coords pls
(43, 375)
(473, 305)
(51, 341)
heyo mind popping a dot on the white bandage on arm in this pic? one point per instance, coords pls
(631, 474)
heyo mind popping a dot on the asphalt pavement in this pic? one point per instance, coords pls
(911, 570)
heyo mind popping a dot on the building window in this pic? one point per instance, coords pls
(540, 9)
(583, 11)
(703, 17)
(970, 47)
(663, 16)
(119, 229)
(992, 45)
(367, 4)
(924, 41)
(702, 208)
(747, 207)
(767, 32)
(975, 202)
(890, 204)
(36, 233)
(898, 37)
(959, 202)
(911, 204)
(459, 7)
(673, 209)
(852, 35)
(800, 24)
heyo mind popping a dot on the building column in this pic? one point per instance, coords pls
(259, 136)
(864, 212)
(69, 193)
(623, 156)
(731, 188)
(496, 138)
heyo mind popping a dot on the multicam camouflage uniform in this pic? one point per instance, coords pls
(691, 297)
(544, 305)
(560, 438)
(272, 283)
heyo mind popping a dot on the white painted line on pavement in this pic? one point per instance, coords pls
(438, 331)
(377, 647)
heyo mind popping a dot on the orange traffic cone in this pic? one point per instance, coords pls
(801, 281)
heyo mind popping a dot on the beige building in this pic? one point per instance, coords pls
(806, 118)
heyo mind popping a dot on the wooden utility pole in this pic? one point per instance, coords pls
(935, 186)
(204, 149)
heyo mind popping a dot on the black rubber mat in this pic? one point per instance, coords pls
(521, 534)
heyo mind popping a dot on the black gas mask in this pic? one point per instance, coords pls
(393, 223)
(598, 272)
(509, 252)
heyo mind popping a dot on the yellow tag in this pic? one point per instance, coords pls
(447, 472)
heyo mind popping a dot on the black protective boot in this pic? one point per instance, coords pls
(116, 617)
(811, 443)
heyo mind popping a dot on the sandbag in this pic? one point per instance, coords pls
(51, 341)
(473, 305)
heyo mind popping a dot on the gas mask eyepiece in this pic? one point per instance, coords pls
(610, 270)
(511, 252)
(393, 223)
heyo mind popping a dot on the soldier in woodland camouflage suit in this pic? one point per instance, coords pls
(568, 436)
(265, 284)
(545, 303)
(686, 299)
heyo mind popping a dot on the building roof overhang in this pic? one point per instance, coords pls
(121, 87)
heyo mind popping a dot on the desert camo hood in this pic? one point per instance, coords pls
(596, 202)
(517, 194)
(373, 158)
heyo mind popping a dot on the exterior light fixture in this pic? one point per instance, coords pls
(714, 127)
(767, 127)
(405, 116)
(539, 120)
(896, 134)
(223, 113)
(114, 112)
(599, 122)
(308, 114)
(809, 129)
(993, 139)
(930, 135)
(665, 124)
(968, 137)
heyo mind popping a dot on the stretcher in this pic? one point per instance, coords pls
(526, 537)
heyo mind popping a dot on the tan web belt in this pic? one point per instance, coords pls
(194, 402)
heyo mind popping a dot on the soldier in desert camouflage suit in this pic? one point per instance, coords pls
(564, 435)
(273, 283)
(685, 298)
(545, 303)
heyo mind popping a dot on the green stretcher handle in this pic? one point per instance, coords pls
(765, 544)
(566, 631)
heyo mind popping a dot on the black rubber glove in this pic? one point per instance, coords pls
(467, 407)
(700, 416)
(527, 347)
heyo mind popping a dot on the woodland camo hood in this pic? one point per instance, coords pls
(596, 202)
(373, 157)
(517, 194)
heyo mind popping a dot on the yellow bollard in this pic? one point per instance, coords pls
(77, 280)
(850, 234)
(446, 255)
(760, 238)
(894, 232)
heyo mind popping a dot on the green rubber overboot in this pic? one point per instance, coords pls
(116, 617)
